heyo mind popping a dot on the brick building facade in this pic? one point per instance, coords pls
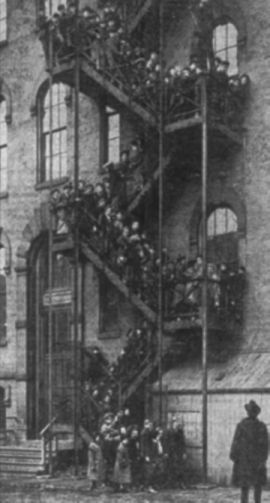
(237, 198)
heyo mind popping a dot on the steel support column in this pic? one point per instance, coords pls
(204, 278)
(76, 240)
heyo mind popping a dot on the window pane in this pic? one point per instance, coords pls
(56, 167)
(231, 221)
(211, 225)
(3, 20)
(3, 169)
(56, 142)
(3, 124)
(232, 58)
(2, 259)
(113, 136)
(221, 221)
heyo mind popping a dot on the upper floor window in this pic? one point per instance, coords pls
(51, 6)
(3, 20)
(109, 325)
(225, 45)
(3, 297)
(53, 133)
(222, 236)
(221, 221)
(3, 146)
(113, 134)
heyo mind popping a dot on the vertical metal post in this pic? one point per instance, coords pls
(204, 147)
(160, 208)
(76, 238)
(50, 247)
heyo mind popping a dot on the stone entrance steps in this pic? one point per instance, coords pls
(24, 459)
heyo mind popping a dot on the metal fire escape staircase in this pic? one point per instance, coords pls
(97, 81)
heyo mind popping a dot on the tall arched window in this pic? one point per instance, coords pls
(222, 236)
(41, 320)
(53, 117)
(225, 45)
(3, 146)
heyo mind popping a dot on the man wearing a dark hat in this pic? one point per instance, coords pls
(249, 453)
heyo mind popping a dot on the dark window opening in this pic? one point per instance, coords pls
(109, 308)
(3, 146)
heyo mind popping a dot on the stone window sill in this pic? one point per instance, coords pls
(112, 334)
(50, 184)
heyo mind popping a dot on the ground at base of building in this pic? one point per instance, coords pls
(76, 490)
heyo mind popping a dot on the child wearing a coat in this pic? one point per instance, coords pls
(122, 468)
(95, 470)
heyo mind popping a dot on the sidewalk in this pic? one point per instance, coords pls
(74, 490)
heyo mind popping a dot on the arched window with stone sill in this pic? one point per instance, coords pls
(226, 226)
(225, 44)
(52, 132)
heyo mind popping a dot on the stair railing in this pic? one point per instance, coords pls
(47, 437)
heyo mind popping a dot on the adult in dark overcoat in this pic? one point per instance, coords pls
(175, 454)
(148, 453)
(249, 452)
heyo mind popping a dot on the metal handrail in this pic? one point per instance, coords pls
(48, 426)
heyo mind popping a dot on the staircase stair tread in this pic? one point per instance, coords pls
(20, 455)
(20, 462)
(13, 468)
(19, 449)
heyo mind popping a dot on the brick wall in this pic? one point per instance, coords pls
(224, 412)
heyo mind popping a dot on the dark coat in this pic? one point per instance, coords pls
(95, 469)
(249, 453)
(122, 472)
(148, 446)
